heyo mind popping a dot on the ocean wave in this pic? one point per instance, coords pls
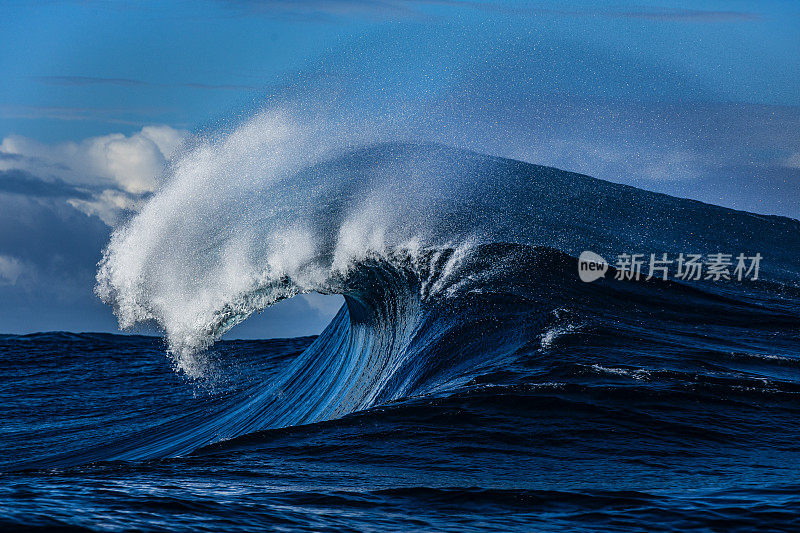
(451, 263)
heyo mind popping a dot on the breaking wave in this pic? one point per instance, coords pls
(450, 263)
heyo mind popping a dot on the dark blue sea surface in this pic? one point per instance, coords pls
(459, 388)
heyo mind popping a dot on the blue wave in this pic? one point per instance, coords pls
(432, 318)
(467, 347)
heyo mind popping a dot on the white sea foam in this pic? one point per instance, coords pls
(240, 224)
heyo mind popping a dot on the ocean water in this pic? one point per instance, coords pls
(470, 382)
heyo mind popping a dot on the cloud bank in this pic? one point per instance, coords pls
(104, 176)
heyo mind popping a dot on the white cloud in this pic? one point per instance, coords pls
(325, 304)
(132, 163)
(119, 167)
(107, 205)
(11, 269)
(166, 138)
(793, 161)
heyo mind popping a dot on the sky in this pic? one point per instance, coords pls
(96, 96)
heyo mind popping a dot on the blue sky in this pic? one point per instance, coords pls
(701, 102)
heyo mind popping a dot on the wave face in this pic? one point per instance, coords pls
(470, 375)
